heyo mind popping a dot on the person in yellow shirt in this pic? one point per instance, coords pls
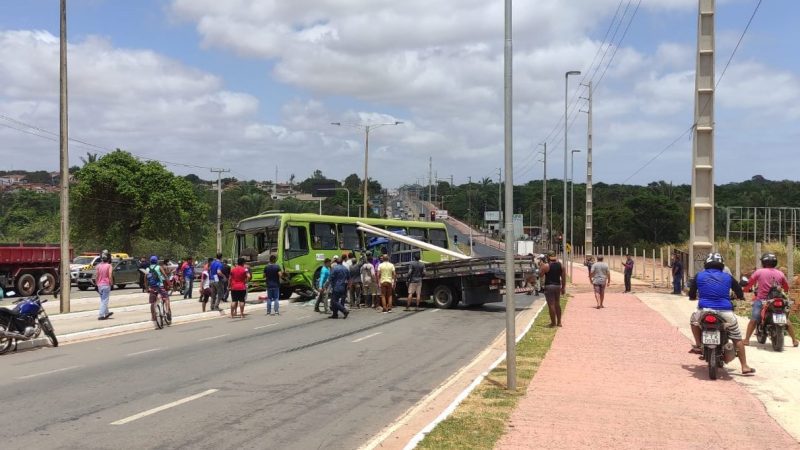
(388, 277)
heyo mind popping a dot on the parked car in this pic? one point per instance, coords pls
(78, 263)
(126, 271)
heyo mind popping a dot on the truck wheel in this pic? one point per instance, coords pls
(50, 280)
(83, 287)
(286, 293)
(443, 297)
(26, 285)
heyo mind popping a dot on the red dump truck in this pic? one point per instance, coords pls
(22, 266)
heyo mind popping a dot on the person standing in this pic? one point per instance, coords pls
(226, 274)
(416, 271)
(216, 276)
(237, 285)
(188, 278)
(628, 265)
(555, 285)
(322, 285)
(677, 274)
(600, 277)
(355, 283)
(340, 279)
(104, 279)
(272, 275)
(388, 277)
(205, 285)
(143, 273)
(369, 284)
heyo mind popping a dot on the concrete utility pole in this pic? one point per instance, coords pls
(219, 207)
(511, 352)
(430, 178)
(544, 197)
(566, 154)
(571, 209)
(587, 239)
(701, 215)
(500, 193)
(65, 281)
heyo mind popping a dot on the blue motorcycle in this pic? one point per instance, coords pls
(25, 321)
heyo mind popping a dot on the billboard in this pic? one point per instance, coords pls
(491, 216)
(441, 214)
(324, 189)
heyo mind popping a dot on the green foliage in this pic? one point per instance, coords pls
(27, 216)
(120, 198)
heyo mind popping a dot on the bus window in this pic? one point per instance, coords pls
(349, 238)
(323, 236)
(418, 234)
(438, 238)
(296, 242)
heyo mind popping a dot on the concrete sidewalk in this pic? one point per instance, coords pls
(621, 377)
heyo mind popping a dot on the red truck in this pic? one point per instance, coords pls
(22, 266)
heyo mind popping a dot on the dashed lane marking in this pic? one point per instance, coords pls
(150, 412)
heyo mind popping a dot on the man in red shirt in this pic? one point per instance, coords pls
(237, 285)
(764, 279)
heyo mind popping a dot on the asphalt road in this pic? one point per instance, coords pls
(298, 380)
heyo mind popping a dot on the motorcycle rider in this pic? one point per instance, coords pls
(765, 278)
(714, 286)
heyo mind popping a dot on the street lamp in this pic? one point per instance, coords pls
(340, 189)
(367, 128)
(572, 207)
(566, 126)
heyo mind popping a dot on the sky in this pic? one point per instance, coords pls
(254, 85)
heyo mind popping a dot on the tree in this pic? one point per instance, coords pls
(90, 158)
(118, 199)
(353, 183)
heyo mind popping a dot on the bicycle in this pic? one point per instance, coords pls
(163, 316)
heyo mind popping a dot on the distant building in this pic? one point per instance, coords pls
(8, 180)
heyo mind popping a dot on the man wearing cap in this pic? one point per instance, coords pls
(555, 285)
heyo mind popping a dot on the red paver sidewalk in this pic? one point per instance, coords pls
(621, 377)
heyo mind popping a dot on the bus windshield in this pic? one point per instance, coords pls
(256, 244)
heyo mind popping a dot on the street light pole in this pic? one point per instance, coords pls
(64, 275)
(566, 127)
(367, 128)
(340, 189)
(572, 208)
(508, 112)
(544, 193)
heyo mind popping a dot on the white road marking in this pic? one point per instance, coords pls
(163, 407)
(144, 351)
(265, 326)
(367, 337)
(213, 337)
(47, 373)
(302, 317)
(434, 309)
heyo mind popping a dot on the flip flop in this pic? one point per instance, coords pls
(696, 350)
(752, 371)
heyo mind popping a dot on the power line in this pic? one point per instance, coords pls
(103, 150)
(707, 103)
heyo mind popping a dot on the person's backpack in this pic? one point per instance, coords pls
(153, 279)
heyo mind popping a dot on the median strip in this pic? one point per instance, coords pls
(480, 419)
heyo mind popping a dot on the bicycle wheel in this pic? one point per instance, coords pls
(168, 316)
(159, 314)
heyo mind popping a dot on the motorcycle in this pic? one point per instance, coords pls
(773, 319)
(718, 349)
(26, 321)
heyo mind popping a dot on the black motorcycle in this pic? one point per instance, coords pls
(718, 349)
(773, 319)
(26, 321)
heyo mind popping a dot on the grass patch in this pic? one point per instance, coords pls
(480, 420)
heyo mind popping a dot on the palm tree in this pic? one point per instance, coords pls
(90, 158)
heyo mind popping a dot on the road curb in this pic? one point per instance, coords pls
(381, 439)
(93, 312)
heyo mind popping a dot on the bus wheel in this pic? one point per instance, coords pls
(443, 297)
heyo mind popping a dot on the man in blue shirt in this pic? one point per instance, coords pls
(217, 278)
(714, 286)
(272, 275)
(339, 281)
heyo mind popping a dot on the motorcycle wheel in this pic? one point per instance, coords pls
(712, 364)
(777, 339)
(761, 336)
(47, 327)
(5, 342)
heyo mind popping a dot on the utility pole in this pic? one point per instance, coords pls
(587, 239)
(469, 212)
(275, 183)
(65, 281)
(500, 193)
(544, 197)
(219, 207)
(430, 178)
(511, 353)
(701, 214)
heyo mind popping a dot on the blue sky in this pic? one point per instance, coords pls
(250, 84)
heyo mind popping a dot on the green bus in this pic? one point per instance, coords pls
(301, 242)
